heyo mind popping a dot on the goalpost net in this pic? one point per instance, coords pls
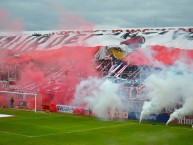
(22, 100)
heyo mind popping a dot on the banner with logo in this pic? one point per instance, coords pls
(118, 115)
(152, 118)
(188, 120)
(65, 108)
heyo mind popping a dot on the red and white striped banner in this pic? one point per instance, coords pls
(115, 69)
(121, 70)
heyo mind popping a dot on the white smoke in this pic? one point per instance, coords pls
(170, 87)
(100, 96)
(186, 109)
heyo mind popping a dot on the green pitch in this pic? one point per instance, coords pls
(29, 128)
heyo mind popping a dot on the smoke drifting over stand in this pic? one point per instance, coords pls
(9, 24)
(53, 72)
(100, 95)
(172, 86)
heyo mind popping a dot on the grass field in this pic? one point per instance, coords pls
(29, 128)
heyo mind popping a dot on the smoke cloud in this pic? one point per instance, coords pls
(100, 96)
(55, 73)
(170, 87)
(9, 24)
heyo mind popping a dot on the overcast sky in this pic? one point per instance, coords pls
(98, 14)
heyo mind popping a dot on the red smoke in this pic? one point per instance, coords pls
(70, 20)
(54, 73)
(160, 55)
(8, 24)
(73, 65)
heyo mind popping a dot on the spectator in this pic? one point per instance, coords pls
(12, 102)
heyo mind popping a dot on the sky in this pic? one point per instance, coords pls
(31, 15)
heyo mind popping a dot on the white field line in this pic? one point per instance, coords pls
(36, 118)
(50, 116)
(83, 130)
(17, 134)
(67, 132)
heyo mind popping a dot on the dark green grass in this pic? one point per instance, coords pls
(29, 128)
